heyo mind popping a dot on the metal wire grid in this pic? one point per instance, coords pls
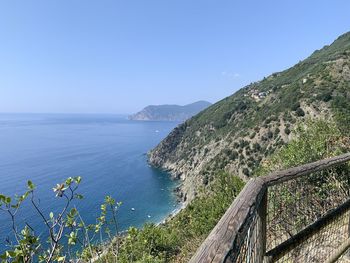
(295, 204)
(319, 247)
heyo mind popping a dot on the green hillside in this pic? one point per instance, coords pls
(240, 131)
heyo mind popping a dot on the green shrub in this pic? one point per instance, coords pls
(287, 130)
(164, 242)
(300, 112)
(313, 141)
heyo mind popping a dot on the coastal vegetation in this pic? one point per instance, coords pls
(70, 238)
(289, 118)
(179, 238)
(173, 241)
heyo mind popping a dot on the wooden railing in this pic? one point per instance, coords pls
(297, 215)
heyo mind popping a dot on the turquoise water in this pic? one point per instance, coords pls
(107, 151)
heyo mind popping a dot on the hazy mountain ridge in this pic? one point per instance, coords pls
(239, 132)
(170, 112)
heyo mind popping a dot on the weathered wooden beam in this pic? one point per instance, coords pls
(293, 173)
(219, 242)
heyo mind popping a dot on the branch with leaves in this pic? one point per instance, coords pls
(66, 229)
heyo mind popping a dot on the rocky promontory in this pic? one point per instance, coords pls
(170, 112)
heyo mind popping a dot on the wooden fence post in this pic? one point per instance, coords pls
(262, 214)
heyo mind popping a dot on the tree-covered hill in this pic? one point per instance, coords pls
(170, 112)
(240, 131)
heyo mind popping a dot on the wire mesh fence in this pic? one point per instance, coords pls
(320, 245)
(292, 207)
(301, 214)
(295, 204)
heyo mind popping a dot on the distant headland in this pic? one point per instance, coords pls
(170, 112)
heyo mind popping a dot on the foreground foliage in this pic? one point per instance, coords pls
(69, 237)
(179, 238)
(66, 230)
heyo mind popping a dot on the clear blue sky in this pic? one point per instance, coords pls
(114, 56)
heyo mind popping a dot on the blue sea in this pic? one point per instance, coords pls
(107, 151)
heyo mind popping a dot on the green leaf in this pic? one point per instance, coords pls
(15, 206)
(77, 179)
(79, 196)
(69, 181)
(72, 238)
(51, 215)
(2, 198)
(31, 186)
(23, 197)
(109, 200)
(10, 254)
(73, 212)
(60, 259)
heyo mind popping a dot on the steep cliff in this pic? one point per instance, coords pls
(239, 132)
